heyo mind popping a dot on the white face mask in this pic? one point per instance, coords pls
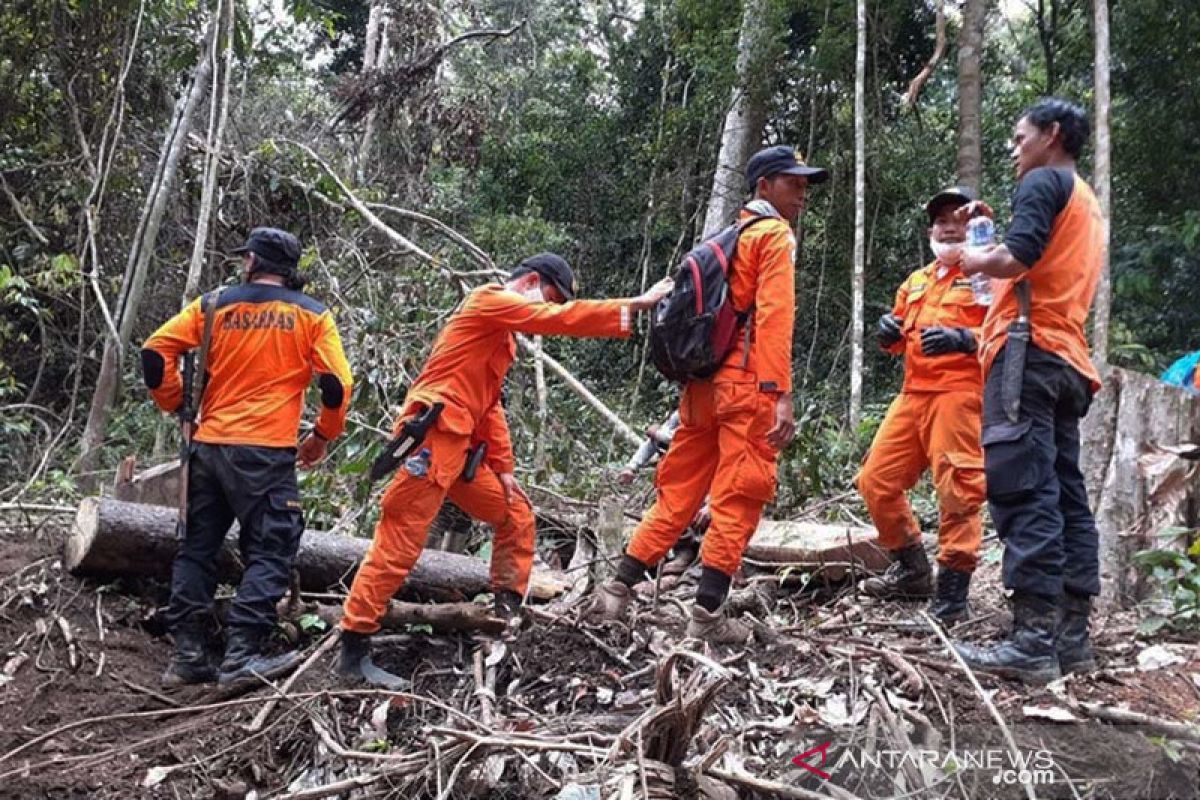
(534, 294)
(946, 252)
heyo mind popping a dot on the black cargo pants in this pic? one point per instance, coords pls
(1035, 489)
(257, 487)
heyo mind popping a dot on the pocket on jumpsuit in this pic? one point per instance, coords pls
(963, 485)
(1011, 462)
(756, 468)
(284, 504)
(755, 477)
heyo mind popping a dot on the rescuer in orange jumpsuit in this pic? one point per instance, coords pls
(465, 372)
(267, 341)
(735, 423)
(932, 424)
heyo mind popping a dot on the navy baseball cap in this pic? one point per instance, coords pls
(954, 196)
(551, 267)
(278, 248)
(781, 160)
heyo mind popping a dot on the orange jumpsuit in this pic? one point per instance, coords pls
(465, 372)
(720, 448)
(933, 423)
(267, 342)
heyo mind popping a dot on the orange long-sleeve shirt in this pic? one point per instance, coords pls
(473, 353)
(267, 342)
(923, 301)
(763, 278)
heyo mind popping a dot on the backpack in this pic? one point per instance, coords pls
(693, 328)
(1183, 372)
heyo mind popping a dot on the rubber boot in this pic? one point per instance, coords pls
(244, 659)
(355, 664)
(190, 662)
(949, 605)
(716, 628)
(908, 578)
(1028, 654)
(1071, 641)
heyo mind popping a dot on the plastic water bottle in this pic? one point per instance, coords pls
(981, 232)
(418, 465)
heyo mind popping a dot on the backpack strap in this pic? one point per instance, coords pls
(747, 316)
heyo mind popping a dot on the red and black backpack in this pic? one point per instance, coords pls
(693, 328)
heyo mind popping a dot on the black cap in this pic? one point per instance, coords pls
(954, 196)
(278, 248)
(551, 267)
(780, 160)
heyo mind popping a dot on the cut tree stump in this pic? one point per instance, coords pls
(112, 539)
(834, 550)
(1137, 484)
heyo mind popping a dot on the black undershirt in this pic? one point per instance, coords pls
(1040, 197)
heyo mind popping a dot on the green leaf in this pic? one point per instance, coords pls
(421, 628)
(311, 622)
(1152, 625)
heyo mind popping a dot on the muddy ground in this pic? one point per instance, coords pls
(867, 690)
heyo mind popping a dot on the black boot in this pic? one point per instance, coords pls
(506, 604)
(355, 665)
(949, 605)
(190, 662)
(908, 578)
(1071, 642)
(1028, 654)
(244, 659)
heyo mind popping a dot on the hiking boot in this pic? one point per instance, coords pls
(190, 662)
(908, 578)
(244, 659)
(609, 602)
(949, 605)
(716, 628)
(1071, 638)
(355, 664)
(1028, 654)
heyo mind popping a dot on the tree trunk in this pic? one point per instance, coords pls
(860, 214)
(375, 56)
(439, 617)
(1103, 179)
(970, 94)
(744, 121)
(111, 538)
(135, 273)
(1137, 487)
(217, 118)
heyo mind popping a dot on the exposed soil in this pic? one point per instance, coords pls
(82, 713)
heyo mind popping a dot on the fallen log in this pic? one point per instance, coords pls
(112, 539)
(439, 616)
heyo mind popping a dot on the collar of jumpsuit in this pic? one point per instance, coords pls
(939, 295)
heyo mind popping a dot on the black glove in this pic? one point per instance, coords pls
(889, 330)
(939, 341)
